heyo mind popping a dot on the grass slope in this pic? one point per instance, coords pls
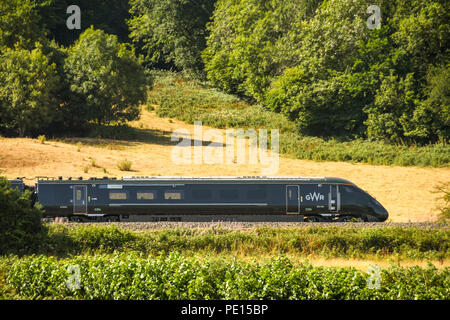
(190, 101)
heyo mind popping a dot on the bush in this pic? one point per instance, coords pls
(124, 165)
(444, 190)
(169, 277)
(21, 230)
(42, 139)
(409, 243)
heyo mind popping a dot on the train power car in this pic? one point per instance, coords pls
(17, 184)
(208, 199)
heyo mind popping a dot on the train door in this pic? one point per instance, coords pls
(292, 200)
(334, 199)
(80, 199)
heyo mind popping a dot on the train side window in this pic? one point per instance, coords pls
(173, 195)
(145, 195)
(78, 196)
(201, 194)
(229, 194)
(348, 189)
(114, 195)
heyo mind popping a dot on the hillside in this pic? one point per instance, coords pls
(406, 192)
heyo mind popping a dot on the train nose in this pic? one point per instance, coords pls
(382, 213)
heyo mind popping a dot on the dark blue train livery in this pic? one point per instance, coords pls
(17, 184)
(208, 199)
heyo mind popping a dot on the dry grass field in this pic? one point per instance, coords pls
(406, 192)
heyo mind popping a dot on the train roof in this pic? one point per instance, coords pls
(18, 180)
(130, 179)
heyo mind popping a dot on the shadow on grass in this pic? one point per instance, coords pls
(120, 136)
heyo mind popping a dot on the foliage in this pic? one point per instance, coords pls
(413, 243)
(191, 101)
(178, 97)
(109, 16)
(433, 114)
(42, 139)
(19, 24)
(21, 230)
(171, 32)
(28, 91)
(124, 165)
(444, 190)
(250, 42)
(106, 80)
(320, 64)
(308, 102)
(130, 276)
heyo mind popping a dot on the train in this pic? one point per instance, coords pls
(246, 199)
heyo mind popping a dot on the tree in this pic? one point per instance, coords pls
(432, 115)
(106, 80)
(171, 32)
(21, 229)
(330, 107)
(109, 16)
(390, 116)
(422, 36)
(250, 42)
(27, 92)
(318, 62)
(19, 24)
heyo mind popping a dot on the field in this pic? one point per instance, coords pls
(406, 192)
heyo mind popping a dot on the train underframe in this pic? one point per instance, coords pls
(210, 218)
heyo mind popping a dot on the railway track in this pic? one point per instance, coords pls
(148, 226)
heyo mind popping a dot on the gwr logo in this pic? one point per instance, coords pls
(315, 196)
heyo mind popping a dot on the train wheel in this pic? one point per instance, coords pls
(314, 219)
(350, 219)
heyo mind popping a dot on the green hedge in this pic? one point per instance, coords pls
(130, 276)
(21, 229)
(412, 243)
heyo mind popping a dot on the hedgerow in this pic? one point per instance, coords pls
(410, 243)
(131, 276)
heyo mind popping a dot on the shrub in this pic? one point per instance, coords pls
(124, 165)
(406, 243)
(444, 190)
(169, 277)
(21, 230)
(42, 139)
